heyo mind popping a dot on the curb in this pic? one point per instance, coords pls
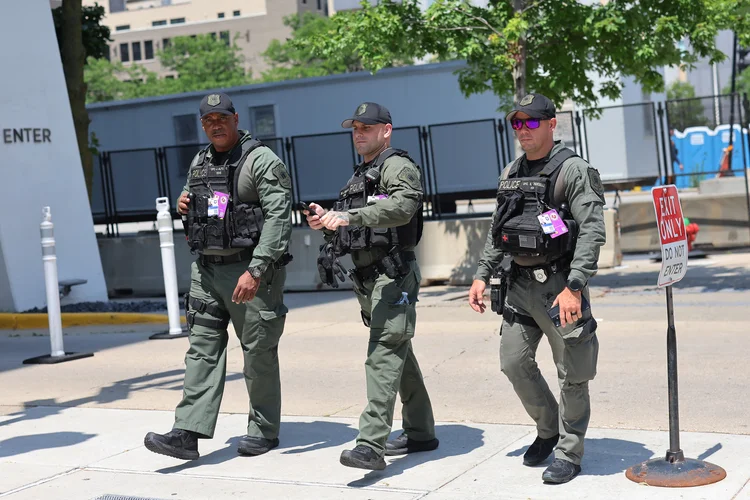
(21, 321)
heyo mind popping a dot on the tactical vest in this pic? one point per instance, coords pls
(241, 224)
(363, 184)
(516, 227)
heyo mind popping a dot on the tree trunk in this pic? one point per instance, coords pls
(73, 59)
(519, 68)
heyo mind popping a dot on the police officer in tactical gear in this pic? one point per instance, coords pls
(549, 222)
(236, 208)
(378, 220)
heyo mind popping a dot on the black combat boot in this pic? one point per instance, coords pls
(362, 457)
(176, 443)
(252, 446)
(403, 445)
(560, 471)
(539, 450)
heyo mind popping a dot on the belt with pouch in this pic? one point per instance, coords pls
(371, 272)
(541, 272)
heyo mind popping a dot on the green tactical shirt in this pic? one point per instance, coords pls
(264, 179)
(585, 195)
(401, 180)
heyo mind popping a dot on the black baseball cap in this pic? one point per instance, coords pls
(369, 113)
(217, 103)
(536, 106)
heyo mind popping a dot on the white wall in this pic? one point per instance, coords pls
(40, 173)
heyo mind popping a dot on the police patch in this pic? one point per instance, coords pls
(595, 181)
(213, 100)
(361, 109)
(409, 177)
(283, 177)
(526, 100)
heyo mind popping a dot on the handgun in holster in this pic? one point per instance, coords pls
(394, 265)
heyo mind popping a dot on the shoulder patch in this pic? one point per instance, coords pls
(409, 175)
(595, 181)
(283, 176)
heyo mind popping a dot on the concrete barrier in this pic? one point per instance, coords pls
(448, 253)
(722, 219)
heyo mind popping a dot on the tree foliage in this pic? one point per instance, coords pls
(683, 109)
(556, 47)
(201, 62)
(289, 61)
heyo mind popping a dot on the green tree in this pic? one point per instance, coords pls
(112, 81)
(289, 60)
(203, 62)
(683, 110)
(549, 46)
(80, 34)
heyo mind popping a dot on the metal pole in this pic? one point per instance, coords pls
(166, 242)
(731, 104)
(668, 171)
(717, 108)
(675, 453)
(49, 257)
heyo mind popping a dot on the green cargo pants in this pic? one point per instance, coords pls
(258, 325)
(391, 366)
(575, 350)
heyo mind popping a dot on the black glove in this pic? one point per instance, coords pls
(329, 267)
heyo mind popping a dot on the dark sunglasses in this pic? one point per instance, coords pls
(531, 123)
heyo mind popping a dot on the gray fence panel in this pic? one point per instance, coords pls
(323, 165)
(135, 182)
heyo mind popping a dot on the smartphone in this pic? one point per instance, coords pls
(554, 313)
(304, 206)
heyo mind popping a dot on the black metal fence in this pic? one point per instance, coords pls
(630, 145)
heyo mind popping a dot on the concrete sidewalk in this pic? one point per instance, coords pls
(75, 430)
(86, 453)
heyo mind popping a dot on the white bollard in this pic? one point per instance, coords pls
(165, 227)
(49, 257)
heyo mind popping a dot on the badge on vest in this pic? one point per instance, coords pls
(552, 223)
(217, 204)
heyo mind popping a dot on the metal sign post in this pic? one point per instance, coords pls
(674, 470)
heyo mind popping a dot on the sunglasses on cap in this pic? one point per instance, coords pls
(531, 123)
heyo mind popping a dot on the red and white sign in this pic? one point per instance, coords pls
(671, 225)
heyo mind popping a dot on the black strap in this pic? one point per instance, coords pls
(218, 321)
(553, 163)
(245, 254)
(251, 145)
(513, 317)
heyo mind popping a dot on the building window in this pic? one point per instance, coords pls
(319, 6)
(177, 20)
(148, 48)
(124, 52)
(236, 13)
(165, 43)
(106, 53)
(185, 129)
(163, 22)
(262, 122)
(136, 51)
(122, 27)
(221, 15)
(116, 6)
(224, 36)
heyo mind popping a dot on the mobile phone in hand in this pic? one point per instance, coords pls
(305, 207)
(554, 313)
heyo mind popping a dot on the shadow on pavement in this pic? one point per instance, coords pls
(18, 445)
(294, 437)
(120, 390)
(455, 440)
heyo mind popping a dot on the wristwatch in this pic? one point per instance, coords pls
(256, 271)
(575, 285)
